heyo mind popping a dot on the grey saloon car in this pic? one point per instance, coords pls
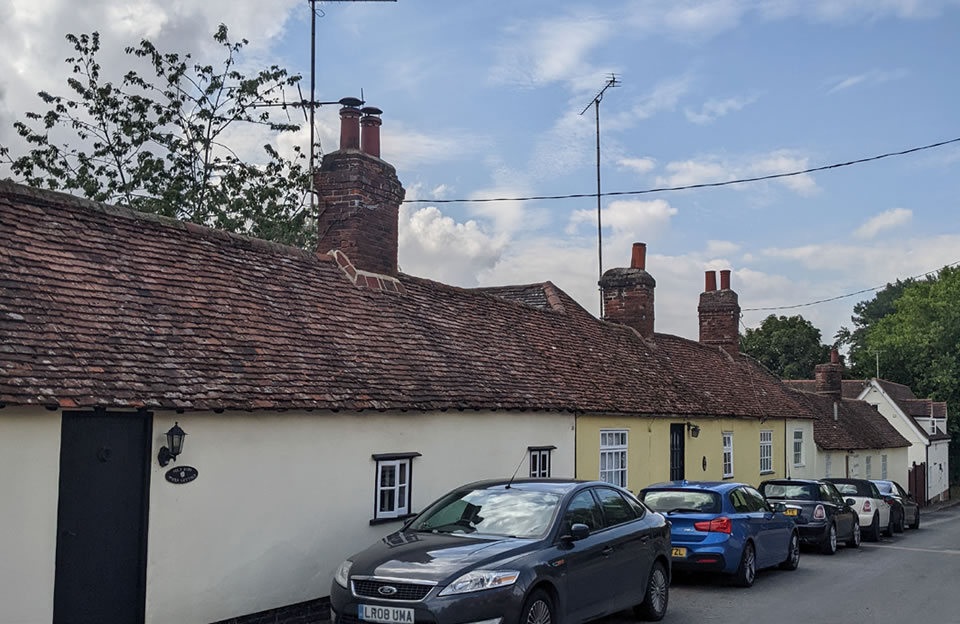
(498, 552)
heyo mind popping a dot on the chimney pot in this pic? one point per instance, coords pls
(370, 137)
(829, 377)
(349, 128)
(710, 282)
(639, 258)
(834, 356)
(725, 279)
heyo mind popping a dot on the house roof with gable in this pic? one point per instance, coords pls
(858, 424)
(103, 306)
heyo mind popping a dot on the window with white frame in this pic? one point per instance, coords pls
(394, 472)
(613, 457)
(766, 451)
(869, 467)
(883, 466)
(540, 461)
(727, 454)
(828, 465)
(933, 426)
(798, 447)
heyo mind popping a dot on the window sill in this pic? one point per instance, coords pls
(377, 521)
(725, 477)
(763, 472)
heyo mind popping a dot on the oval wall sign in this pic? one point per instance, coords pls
(181, 474)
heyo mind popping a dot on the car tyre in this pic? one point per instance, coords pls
(916, 521)
(888, 532)
(829, 545)
(873, 534)
(656, 597)
(854, 541)
(793, 556)
(746, 574)
(901, 523)
(538, 609)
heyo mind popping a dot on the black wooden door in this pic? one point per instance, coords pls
(101, 519)
(677, 452)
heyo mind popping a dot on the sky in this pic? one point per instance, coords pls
(482, 99)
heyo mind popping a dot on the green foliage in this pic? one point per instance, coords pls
(159, 141)
(789, 347)
(865, 315)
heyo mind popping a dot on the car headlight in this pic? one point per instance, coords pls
(342, 577)
(479, 580)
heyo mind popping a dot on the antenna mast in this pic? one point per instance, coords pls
(612, 81)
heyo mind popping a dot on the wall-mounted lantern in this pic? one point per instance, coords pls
(694, 430)
(174, 445)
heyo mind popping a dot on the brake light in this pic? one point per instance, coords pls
(866, 506)
(717, 525)
(819, 513)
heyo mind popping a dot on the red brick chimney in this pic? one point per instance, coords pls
(830, 376)
(359, 196)
(719, 314)
(628, 293)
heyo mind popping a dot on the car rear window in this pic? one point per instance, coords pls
(884, 487)
(854, 488)
(789, 491)
(683, 501)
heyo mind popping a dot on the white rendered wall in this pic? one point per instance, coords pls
(29, 479)
(282, 499)
(917, 450)
(938, 470)
(808, 470)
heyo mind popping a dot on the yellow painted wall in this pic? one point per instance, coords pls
(648, 452)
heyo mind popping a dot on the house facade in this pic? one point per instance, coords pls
(921, 421)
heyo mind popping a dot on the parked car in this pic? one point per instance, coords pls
(908, 507)
(823, 516)
(725, 527)
(538, 551)
(873, 507)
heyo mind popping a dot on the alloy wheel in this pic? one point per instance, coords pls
(658, 591)
(856, 533)
(794, 551)
(539, 613)
(833, 538)
(751, 562)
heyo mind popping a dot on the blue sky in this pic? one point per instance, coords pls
(482, 98)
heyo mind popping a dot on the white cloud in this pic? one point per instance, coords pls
(405, 148)
(663, 97)
(720, 248)
(637, 165)
(872, 77)
(715, 108)
(436, 246)
(627, 219)
(883, 221)
(715, 168)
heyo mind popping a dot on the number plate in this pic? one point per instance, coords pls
(385, 615)
(680, 553)
(789, 512)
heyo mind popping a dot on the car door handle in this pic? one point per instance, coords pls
(606, 552)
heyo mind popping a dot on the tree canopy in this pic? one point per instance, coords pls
(789, 346)
(163, 138)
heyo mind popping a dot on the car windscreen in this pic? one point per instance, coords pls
(885, 487)
(683, 501)
(500, 512)
(789, 491)
(854, 488)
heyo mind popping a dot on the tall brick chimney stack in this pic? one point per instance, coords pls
(628, 293)
(359, 195)
(830, 376)
(719, 314)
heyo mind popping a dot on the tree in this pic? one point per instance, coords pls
(789, 347)
(158, 142)
(865, 315)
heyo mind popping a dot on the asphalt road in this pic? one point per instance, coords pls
(911, 578)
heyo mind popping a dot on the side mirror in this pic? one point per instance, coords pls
(778, 507)
(851, 502)
(578, 532)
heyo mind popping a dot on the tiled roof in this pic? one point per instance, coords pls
(850, 388)
(103, 306)
(939, 409)
(530, 294)
(858, 425)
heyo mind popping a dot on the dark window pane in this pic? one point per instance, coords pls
(615, 509)
(755, 500)
(583, 510)
(684, 501)
(739, 501)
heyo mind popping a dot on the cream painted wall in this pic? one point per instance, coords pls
(648, 455)
(29, 478)
(854, 464)
(807, 468)
(282, 499)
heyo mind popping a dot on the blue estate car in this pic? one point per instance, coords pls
(725, 527)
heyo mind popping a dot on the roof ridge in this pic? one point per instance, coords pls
(62, 199)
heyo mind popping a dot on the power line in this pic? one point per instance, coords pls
(665, 189)
(838, 297)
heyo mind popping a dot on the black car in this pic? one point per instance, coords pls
(530, 551)
(906, 506)
(824, 517)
